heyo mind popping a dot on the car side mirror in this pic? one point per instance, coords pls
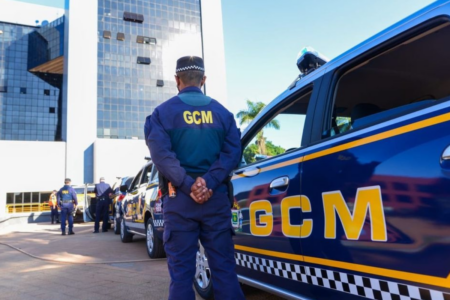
(124, 188)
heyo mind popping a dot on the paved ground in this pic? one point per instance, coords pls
(36, 262)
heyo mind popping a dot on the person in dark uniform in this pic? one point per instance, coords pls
(195, 144)
(147, 128)
(67, 201)
(103, 192)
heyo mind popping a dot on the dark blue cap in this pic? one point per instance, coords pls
(188, 63)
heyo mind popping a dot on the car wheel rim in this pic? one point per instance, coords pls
(122, 228)
(202, 272)
(150, 237)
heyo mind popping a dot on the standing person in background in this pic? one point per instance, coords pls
(103, 192)
(195, 144)
(67, 200)
(53, 204)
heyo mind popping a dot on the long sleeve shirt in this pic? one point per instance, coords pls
(194, 134)
(67, 197)
(102, 190)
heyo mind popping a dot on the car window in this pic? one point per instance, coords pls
(147, 174)
(136, 181)
(154, 175)
(79, 190)
(406, 78)
(283, 133)
(128, 181)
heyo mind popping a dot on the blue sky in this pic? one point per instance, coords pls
(263, 37)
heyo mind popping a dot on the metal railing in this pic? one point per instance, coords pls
(27, 207)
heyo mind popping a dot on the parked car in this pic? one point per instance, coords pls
(142, 211)
(117, 201)
(85, 194)
(356, 202)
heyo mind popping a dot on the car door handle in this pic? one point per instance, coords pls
(446, 154)
(279, 182)
(445, 159)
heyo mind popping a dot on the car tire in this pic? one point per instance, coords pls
(203, 279)
(125, 236)
(155, 248)
(117, 225)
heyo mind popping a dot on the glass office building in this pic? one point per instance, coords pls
(134, 37)
(29, 101)
(77, 83)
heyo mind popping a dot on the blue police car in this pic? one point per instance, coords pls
(350, 197)
(141, 211)
(125, 183)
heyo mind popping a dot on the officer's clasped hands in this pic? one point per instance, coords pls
(200, 192)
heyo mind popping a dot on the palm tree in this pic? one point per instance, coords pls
(246, 116)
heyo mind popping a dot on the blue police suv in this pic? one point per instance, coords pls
(141, 211)
(350, 197)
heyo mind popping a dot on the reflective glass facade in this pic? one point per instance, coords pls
(46, 43)
(29, 104)
(128, 91)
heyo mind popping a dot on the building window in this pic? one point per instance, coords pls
(51, 110)
(47, 92)
(132, 17)
(145, 40)
(143, 60)
(400, 186)
(106, 34)
(160, 82)
(23, 90)
(27, 202)
(404, 199)
(121, 36)
(3, 89)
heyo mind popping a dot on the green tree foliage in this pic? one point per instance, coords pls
(252, 150)
(273, 150)
(246, 116)
(249, 153)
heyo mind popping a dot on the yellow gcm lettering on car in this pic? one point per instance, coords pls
(198, 117)
(295, 231)
(367, 199)
(265, 218)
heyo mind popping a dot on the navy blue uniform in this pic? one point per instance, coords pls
(147, 128)
(67, 199)
(193, 135)
(102, 191)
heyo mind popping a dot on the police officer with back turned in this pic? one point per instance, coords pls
(103, 192)
(67, 200)
(195, 144)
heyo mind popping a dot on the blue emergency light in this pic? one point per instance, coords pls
(309, 60)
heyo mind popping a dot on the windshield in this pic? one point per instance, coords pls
(79, 190)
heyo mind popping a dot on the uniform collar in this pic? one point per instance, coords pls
(190, 89)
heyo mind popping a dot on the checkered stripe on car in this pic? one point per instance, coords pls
(371, 288)
(158, 223)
